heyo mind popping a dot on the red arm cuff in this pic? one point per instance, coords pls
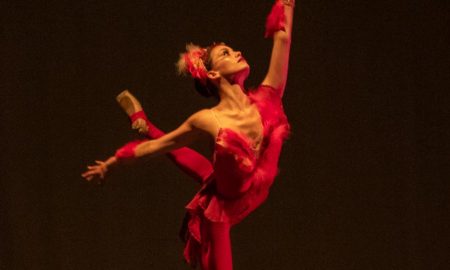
(127, 151)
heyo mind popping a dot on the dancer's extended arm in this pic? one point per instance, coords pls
(185, 134)
(279, 26)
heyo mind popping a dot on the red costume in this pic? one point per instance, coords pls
(242, 177)
(239, 178)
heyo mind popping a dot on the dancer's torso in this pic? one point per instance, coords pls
(246, 122)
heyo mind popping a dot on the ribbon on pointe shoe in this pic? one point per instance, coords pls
(153, 132)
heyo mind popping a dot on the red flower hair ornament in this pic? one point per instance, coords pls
(192, 62)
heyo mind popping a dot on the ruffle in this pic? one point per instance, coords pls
(207, 205)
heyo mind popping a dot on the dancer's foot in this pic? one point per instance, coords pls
(133, 109)
(128, 103)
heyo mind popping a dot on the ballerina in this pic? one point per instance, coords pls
(247, 129)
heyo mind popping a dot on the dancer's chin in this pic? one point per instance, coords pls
(243, 73)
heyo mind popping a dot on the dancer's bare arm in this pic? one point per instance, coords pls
(279, 61)
(195, 127)
(189, 131)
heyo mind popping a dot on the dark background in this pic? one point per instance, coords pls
(362, 182)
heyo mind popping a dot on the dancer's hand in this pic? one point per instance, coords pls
(95, 171)
(140, 125)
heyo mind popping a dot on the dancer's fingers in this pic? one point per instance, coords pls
(88, 177)
(88, 173)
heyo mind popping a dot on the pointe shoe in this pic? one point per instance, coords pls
(133, 109)
(128, 103)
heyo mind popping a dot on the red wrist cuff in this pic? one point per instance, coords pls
(127, 151)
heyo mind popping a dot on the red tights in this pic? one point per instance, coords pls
(216, 246)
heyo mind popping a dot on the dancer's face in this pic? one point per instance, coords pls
(228, 63)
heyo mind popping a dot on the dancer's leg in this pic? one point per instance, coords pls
(216, 252)
(188, 160)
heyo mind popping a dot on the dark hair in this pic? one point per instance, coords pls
(203, 85)
(208, 90)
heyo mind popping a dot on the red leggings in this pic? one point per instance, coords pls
(216, 244)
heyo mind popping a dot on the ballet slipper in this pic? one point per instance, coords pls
(128, 103)
(133, 108)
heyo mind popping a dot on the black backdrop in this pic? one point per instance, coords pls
(357, 187)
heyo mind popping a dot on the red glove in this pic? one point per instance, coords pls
(275, 20)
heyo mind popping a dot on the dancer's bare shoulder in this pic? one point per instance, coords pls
(203, 121)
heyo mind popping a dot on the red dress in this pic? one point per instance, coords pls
(242, 177)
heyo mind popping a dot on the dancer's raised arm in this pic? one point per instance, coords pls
(279, 26)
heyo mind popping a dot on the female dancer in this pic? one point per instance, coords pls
(247, 128)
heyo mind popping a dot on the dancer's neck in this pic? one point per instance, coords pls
(232, 96)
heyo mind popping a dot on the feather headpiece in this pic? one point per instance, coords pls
(192, 62)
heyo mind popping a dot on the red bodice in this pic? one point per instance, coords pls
(242, 175)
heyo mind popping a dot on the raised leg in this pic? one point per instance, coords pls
(188, 160)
